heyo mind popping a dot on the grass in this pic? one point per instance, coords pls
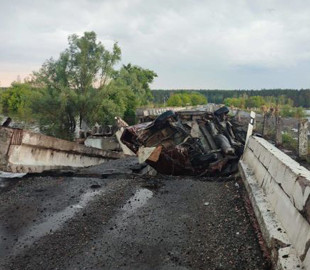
(289, 141)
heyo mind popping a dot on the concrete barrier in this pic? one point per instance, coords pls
(279, 189)
(23, 151)
(103, 143)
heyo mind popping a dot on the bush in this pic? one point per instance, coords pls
(289, 111)
(289, 141)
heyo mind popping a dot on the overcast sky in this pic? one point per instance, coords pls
(197, 44)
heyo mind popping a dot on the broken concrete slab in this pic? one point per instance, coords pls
(103, 142)
(125, 149)
(24, 151)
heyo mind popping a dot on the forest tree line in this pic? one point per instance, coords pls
(300, 98)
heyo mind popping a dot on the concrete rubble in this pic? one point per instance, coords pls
(106, 138)
(188, 142)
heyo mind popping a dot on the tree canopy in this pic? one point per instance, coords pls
(186, 99)
(16, 100)
(297, 97)
(82, 84)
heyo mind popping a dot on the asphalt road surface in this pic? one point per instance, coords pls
(107, 217)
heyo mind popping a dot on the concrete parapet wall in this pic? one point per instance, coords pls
(143, 112)
(279, 189)
(24, 151)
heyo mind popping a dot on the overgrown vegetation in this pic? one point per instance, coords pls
(17, 99)
(81, 85)
(280, 104)
(289, 142)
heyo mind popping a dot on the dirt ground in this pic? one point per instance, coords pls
(108, 217)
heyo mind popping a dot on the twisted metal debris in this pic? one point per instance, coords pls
(188, 142)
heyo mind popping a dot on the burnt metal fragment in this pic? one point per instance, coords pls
(7, 122)
(188, 143)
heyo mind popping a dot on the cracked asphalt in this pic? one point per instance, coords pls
(107, 217)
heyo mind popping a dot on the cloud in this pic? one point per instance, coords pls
(190, 44)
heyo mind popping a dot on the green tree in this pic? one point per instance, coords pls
(16, 100)
(137, 80)
(74, 78)
(83, 84)
(186, 99)
(254, 102)
(235, 102)
(175, 101)
(198, 99)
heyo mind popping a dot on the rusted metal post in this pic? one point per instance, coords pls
(303, 138)
(279, 128)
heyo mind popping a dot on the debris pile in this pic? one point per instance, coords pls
(188, 143)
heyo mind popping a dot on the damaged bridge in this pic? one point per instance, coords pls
(23, 151)
(220, 200)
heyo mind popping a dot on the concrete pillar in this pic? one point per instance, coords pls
(264, 131)
(237, 116)
(279, 128)
(303, 138)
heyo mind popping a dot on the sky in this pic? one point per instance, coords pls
(196, 44)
